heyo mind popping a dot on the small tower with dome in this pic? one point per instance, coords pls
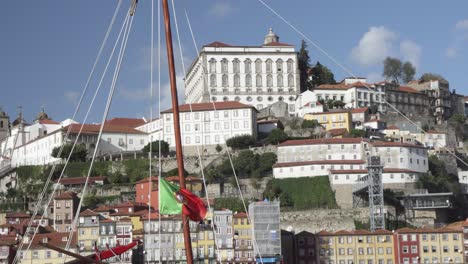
(271, 37)
(4, 124)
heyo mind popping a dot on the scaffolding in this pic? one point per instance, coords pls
(375, 189)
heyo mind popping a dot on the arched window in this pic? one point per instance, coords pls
(280, 80)
(212, 66)
(214, 99)
(290, 66)
(225, 80)
(213, 80)
(248, 66)
(237, 98)
(236, 66)
(258, 80)
(248, 80)
(224, 66)
(236, 80)
(225, 98)
(258, 66)
(290, 80)
(279, 66)
(269, 66)
(269, 80)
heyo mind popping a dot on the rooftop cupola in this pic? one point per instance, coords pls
(270, 37)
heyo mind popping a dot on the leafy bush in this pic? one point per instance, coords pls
(155, 147)
(240, 142)
(79, 152)
(233, 204)
(356, 133)
(277, 136)
(309, 124)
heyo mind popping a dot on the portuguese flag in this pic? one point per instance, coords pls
(176, 200)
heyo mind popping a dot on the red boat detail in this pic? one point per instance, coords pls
(118, 250)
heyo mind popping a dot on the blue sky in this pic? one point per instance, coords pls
(48, 47)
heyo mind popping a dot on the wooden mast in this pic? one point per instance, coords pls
(175, 111)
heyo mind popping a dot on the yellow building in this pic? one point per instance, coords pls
(332, 120)
(38, 254)
(243, 249)
(358, 246)
(442, 245)
(88, 231)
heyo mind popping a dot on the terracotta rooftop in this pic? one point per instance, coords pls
(434, 132)
(57, 239)
(65, 196)
(342, 86)
(94, 129)
(298, 142)
(277, 44)
(240, 215)
(393, 128)
(359, 110)
(407, 89)
(348, 171)
(17, 215)
(80, 180)
(48, 122)
(89, 212)
(209, 107)
(338, 131)
(125, 122)
(315, 162)
(395, 144)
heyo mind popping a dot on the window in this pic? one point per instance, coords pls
(258, 80)
(213, 80)
(187, 141)
(290, 65)
(248, 80)
(279, 80)
(405, 249)
(236, 80)
(414, 249)
(212, 66)
(269, 80)
(290, 80)
(224, 66)
(258, 66)
(235, 66)
(225, 80)
(248, 66)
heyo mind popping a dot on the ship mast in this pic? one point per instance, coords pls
(175, 111)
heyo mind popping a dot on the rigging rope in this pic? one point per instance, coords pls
(41, 196)
(348, 71)
(104, 118)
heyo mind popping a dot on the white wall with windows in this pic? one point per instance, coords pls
(253, 75)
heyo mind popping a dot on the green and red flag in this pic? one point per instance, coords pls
(176, 200)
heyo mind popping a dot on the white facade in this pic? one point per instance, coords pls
(355, 93)
(344, 160)
(253, 75)
(204, 126)
(307, 103)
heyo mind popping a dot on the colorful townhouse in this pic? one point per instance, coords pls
(243, 247)
(38, 254)
(224, 236)
(88, 231)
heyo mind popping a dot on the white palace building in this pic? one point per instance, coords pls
(253, 75)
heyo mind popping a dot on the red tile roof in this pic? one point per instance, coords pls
(348, 171)
(89, 212)
(65, 196)
(210, 107)
(17, 215)
(217, 44)
(277, 44)
(395, 144)
(338, 132)
(393, 128)
(434, 132)
(107, 220)
(342, 86)
(94, 129)
(80, 180)
(315, 162)
(240, 215)
(48, 122)
(153, 178)
(359, 110)
(125, 122)
(298, 142)
(397, 170)
(57, 239)
(407, 89)
(187, 179)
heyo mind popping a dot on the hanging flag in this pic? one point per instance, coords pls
(176, 200)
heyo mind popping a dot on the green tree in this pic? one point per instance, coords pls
(240, 142)
(428, 76)
(266, 162)
(276, 136)
(175, 172)
(321, 74)
(303, 61)
(218, 148)
(392, 69)
(155, 147)
(79, 152)
(309, 124)
(408, 72)
(357, 133)
(458, 121)
(233, 204)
